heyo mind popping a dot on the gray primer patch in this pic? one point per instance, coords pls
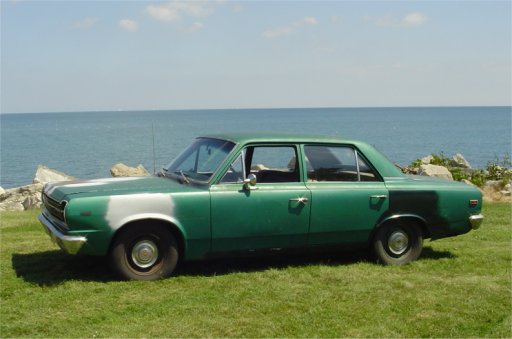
(124, 208)
(50, 187)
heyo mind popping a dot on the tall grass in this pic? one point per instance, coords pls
(460, 287)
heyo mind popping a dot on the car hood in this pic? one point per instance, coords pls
(115, 186)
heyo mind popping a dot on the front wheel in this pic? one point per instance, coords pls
(398, 243)
(144, 252)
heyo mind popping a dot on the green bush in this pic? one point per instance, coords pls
(440, 160)
(500, 170)
(496, 170)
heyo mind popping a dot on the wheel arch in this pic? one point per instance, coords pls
(171, 226)
(421, 222)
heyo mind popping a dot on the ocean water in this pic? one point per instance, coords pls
(87, 144)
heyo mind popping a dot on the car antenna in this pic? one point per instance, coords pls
(154, 157)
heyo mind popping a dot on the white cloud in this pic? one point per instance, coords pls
(289, 29)
(176, 10)
(162, 13)
(411, 19)
(194, 9)
(414, 19)
(129, 25)
(85, 23)
(184, 14)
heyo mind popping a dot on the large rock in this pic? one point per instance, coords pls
(497, 186)
(32, 201)
(427, 160)
(493, 190)
(29, 196)
(121, 170)
(435, 171)
(458, 160)
(45, 175)
(21, 198)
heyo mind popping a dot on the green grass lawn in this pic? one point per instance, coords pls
(460, 287)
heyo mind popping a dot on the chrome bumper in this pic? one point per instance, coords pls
(70, 244)
(476, 220)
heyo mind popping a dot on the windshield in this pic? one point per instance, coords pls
(200, 160)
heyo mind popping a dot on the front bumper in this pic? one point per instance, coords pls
(476, 221)
(69, 244)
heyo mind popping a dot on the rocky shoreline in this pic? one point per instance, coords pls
(29, 196)
(459, 169)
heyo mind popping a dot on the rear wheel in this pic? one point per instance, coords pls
(398, 243)
(144, 252)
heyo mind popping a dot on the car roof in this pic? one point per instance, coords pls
(251, 137)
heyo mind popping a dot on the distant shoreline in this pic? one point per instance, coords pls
(252, 109)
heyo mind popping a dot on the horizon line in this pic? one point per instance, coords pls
(249, 109)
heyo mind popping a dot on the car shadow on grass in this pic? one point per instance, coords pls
(262, 263)
(248, 264)
(429, 253)
(54, 267)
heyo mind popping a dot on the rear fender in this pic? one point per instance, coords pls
(403, 217)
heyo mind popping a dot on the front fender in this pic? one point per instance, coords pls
(136, 218)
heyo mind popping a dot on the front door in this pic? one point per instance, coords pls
(272, 214)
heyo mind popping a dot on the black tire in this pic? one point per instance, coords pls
(144, 252)
(398, 243)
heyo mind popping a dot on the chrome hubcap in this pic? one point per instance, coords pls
(144, 253)
(398, 242)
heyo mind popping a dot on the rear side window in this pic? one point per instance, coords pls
(273, 164)
(336, 163)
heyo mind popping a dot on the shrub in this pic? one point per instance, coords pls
(496, 170)
(500, 170)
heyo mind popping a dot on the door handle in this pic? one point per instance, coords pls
(303, 200)
(378, 196)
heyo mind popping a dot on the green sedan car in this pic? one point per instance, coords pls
(235, 194)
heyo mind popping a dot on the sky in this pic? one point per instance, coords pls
(66, 56)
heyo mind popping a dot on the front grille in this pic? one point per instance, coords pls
(55, 209)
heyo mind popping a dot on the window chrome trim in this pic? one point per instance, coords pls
(357, 165)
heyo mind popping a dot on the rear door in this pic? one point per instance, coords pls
(348, 196)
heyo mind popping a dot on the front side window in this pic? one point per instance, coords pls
(235, 172)
(336, 163)
(270, 164)
(200, 160)
(273, 164)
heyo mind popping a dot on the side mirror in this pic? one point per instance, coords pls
(250, 182)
